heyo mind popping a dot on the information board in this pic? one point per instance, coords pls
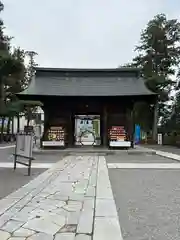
(28, 129)
(118, 137)
(117, 133)
(56, 137)
(24, 145)
(87, 130)
(160, 138)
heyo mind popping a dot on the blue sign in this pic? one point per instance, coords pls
(137, 134)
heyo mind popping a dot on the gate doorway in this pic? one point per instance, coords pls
(87, 130)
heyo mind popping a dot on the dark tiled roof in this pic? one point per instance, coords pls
(63, 82)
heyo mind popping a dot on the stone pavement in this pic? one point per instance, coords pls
(71, 201)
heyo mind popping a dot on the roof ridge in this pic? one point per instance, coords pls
(128, 69)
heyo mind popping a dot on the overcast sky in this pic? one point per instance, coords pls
(82, 33)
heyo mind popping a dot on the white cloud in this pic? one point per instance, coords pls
(81, 33)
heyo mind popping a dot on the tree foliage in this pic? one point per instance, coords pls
(14, 77)
(158, 54)
(11, 69)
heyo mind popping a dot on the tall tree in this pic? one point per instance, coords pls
(29, 109)
(10, 67)
(158, 55)
(16, 83)
(31, 65)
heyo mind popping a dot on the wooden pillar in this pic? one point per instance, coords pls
(44, 135)
(132, 123)
(71, 130)
(155, 122)
(132, 127)
(130, 120)
(105, 127)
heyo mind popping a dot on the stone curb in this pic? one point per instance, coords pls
(105, 152)
(106, 221)
(168, 155)
(165, 154)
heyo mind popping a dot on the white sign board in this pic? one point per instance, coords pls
(24, 145)
(160, 138)
(52, 143)
(120, 144)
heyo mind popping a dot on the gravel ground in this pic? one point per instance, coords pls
(11, 181)
(148, 203)
(137, 158)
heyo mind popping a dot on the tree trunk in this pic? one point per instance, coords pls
(18, 123)
(155, 122)
(28, 116)
(2, 129)
(8, 125)
(28, 120)
(1, 96)
(12, 125)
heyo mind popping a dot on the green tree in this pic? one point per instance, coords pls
(16, 83)
(30, 108)
(157, 55)
(172, 122)
(31, 65)
(11, 67)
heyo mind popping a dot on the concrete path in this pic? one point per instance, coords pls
(71, 201)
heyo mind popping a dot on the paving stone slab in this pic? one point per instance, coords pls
(12, 226)
(106, 228)
(65, 236)
(72, 217)
(85, 224)
(17, 238)
(22, 232)
(4, 219)
(76, 197)
(105, 208)
(4, 235)
(69, 228)
(91, 191)
(45, 225)
(73, 206)
(83, 237)
(41, 236)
